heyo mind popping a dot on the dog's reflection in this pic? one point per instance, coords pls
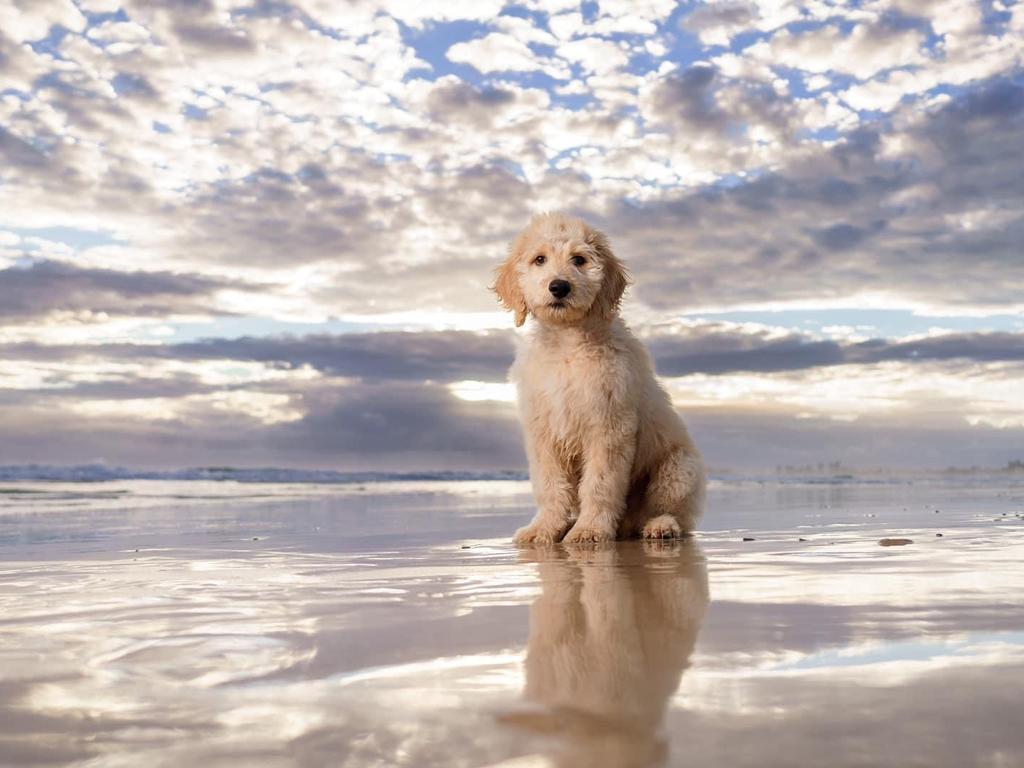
(610, 637)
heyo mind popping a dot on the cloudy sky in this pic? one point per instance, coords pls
(249, 232)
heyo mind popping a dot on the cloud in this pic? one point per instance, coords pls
(689, 98)
(839, 237)
(21, 64)
(441, 356)
(444, 356)
(457, 100)
(396, 424)
(32, 20)
(760, 438)
(719, 123)
(455, 106)
(44, 287)
(421, 421)
(717, 23)
(926, 216)
(360, 399)
(594, 54)
(867, 49)
(329, 182)
(500, 52)
(360, 426)
(450, 356)
(366, 164)
(19, 153)
(716, 350)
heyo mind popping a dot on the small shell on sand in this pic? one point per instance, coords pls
(895, 542)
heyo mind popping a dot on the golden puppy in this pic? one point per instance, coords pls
(608, 454)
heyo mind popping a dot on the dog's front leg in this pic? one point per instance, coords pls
(554, 491)
(607, 464)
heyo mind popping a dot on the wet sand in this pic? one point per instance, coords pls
(217, 624)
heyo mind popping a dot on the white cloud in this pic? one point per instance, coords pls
(976, 393)
(119, 32)
(865, 51)
(351, 17)
(31, 20)
(946, 16)
(524, 30)
(622, 25)
(717, 22)
(480, 391)
(263, 407)
(650, 10)
(565, 25)
(552, 7)
(299, 167)
(594, 54)
(499, 52)
(817, 82)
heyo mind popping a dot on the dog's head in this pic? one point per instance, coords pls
(561, 271)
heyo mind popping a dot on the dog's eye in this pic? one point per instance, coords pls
(539, 259)
(579, 261)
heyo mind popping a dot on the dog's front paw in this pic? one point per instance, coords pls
(588, 534)
(535, 535)
(662, 527)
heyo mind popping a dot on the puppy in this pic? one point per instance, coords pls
(608, 454)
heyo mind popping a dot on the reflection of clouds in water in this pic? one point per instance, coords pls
(845, 569)
(946, 717)
(143, 656)
(249, 657)
(357, 631)
(610, 637)
(835, 657)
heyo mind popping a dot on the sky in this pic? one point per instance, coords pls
(261, 232)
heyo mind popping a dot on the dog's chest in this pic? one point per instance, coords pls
(563, 392)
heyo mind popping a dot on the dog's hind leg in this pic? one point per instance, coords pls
(675, 495)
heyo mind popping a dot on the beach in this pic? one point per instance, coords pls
(177, 622)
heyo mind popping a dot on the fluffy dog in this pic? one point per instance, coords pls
(608, 454)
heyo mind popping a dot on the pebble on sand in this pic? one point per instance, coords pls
(749, 538)
(895, 542)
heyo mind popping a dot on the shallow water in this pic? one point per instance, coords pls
(165, 623)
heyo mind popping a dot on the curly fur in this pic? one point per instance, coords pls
(608, 454)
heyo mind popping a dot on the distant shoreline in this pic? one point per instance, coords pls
(97, 473)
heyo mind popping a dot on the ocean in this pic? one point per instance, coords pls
(227, 617)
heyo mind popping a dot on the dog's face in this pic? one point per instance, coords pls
(561, 271)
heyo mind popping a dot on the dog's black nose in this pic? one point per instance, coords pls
(559, 288)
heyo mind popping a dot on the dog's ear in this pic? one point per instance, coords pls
(614, 279)
(506, 285)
